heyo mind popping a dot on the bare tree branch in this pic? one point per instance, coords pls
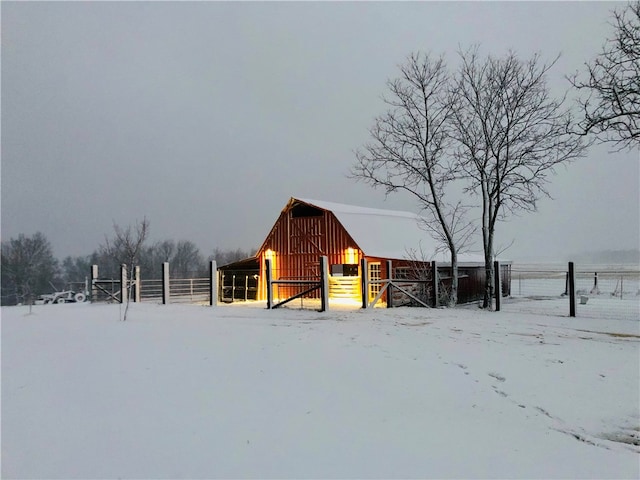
(611, 106)
(125, 247)
(511, 134)
(409, 148)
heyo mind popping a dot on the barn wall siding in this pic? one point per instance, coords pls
(298, 242)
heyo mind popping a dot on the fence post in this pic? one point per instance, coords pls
(595, 290)
(436, 286)
(166, 292)
(267, 268)
(221, 279)
(364, 282)
(123, 283)
(213, 284)
(94, 278)
(497, 284)
(137, 284)
(390, 287)
(572, 290)
(233, 286)
(324, 283)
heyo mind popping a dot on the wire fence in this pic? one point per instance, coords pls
(602, 291)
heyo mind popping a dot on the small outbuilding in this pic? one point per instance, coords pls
(307, 229)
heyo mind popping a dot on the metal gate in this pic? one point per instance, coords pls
(374, 286)
(309, 285)
(106, 290)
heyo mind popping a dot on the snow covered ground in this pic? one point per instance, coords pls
(234, 391)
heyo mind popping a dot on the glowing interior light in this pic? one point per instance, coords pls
(270, 255)
(350, 256)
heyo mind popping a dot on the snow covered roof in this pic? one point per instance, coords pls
(389, 234)
(380, 233)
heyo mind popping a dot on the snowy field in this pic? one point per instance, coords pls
(238, 391)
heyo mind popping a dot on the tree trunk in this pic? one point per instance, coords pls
(488, 268)
(453, 297)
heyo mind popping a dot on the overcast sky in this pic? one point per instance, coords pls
(206, 117)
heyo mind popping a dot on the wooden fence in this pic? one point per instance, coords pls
(165, 290)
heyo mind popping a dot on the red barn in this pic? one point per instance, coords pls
(307, 229)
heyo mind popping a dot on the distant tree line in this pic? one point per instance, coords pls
(30, 269)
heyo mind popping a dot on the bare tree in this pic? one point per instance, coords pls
(153, 256)
(408, 149)
(125, 247)
(28, 268)
(420, 268)
(224, 257)
(184, 259)
(511, 133)
(165, 250)
(611, 108)
(187, 260)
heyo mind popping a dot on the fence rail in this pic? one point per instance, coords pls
(310, 287)
(164, 290)
(190, 290)
(600, 291)
(593, 291)
(105, 290)
(151, 290)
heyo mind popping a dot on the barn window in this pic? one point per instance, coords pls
(304, 210)
(350, 270)
(350, 256)
(344, 270)
(337, 270)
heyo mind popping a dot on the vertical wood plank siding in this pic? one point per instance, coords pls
(298, 243)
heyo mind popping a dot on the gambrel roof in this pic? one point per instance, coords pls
(390, 234)
(379, 233)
